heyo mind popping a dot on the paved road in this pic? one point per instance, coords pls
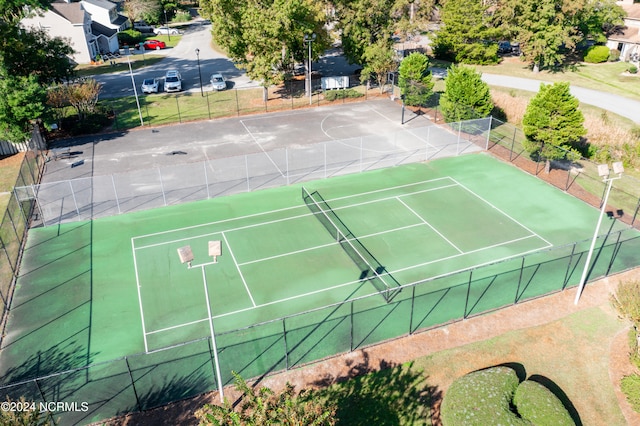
(620, 105)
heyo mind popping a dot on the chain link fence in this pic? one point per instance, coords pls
(146, 380)
(14, 224)
(101, 196)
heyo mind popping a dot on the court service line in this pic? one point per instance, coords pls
(273, 302)
(135, 268)
(328, 244)
(271, 222)
(238, 268)
(284, 209)
(429, 225)
(514, 220)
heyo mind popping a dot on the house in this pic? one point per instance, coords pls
(90, 26)
(627, 39)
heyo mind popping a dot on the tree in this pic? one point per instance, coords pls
(266, 37)
(553, 124)
(29, 416)
(626, 301)
(362, 23)
(137, 9)
(31, 51)
(379, 59)
(415, 81)
(466, 35)
(544, 30)
(22, 101)
(465, 96)
(266, 407)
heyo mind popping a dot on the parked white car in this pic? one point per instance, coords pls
(218, 82)
(150, 85)
(166, 31)
(172, 81)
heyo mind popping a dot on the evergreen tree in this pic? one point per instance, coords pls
(466, 34)
(415, 80)
(553, 124)
(465, 96)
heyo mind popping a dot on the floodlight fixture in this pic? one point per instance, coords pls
(618, 168)
(603, 170)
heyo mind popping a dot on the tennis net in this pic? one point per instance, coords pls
(370, 269)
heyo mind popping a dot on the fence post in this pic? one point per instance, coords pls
(286, 163)
(486, 148)
(413, 302)
(73, 195)
(246, 166)
(635, 214)
(164, 197)
(616, 249)
(325, 168)
(351, 329)
(513, 142)
(206, 179)
(566, 274)
(115, 192)
(466, 301)
(515, 299)
(237, 103)
(208, 106)
(286, 347)
(178, 107)
(40, 390)
(133, 384)
(458, 142)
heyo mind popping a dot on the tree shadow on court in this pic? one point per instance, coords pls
(387, 393)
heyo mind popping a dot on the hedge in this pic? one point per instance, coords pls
(597, 54)
(539, 405)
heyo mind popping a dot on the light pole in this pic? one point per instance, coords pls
(135, 91)
(166, 24)
(199, 74)
(309, 39)
(605, 174)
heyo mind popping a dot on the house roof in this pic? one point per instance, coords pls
(121, 19)
(105, 4)
(633, 11)
(72, 12)
(99, 29)
(627, 35)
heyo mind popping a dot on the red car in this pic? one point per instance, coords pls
(154, 45)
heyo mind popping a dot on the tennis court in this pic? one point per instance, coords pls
(302, 273)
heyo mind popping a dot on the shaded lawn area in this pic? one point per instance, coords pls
(572, 353)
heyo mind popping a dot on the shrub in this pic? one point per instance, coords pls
(633, 69)
(597, 54)
(182, 16)
(614, 55)
(630, 386)
(332, 95)
(130, 37)
(540, 406)
(481, 398)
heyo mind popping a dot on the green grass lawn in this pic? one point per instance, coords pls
(572, 352)
(607, 77)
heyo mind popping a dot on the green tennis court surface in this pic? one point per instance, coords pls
(473, 233)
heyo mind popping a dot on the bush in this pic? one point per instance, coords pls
(597, 54)
(630, 386)
(332, 95)
(182, 16)
(633, 69)
(481, 398)
(130, 37)
(540, 406)
(614, 55)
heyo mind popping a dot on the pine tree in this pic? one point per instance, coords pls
(466, 96)
(553, 124)
(415, 80)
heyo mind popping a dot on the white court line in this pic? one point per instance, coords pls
(429, 225)
(270, 222)
(502, 212)
(359, 281)
(329, 244)
(281, 210)
(135, 267)
(238, 268)
(263, 150)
